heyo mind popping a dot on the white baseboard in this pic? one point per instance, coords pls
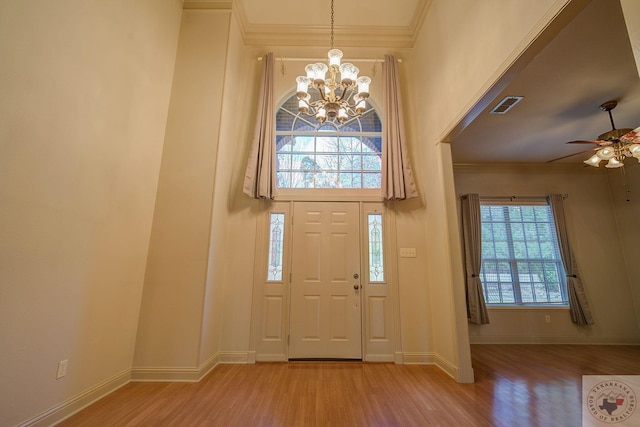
(278, 357)
(430, 358)
(508, 339)
(169, 374)
(234, 357)
(175, 374)
(446, 366)
(409, 358)
(379, 358)
(78, 402)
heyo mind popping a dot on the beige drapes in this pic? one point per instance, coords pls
(578, 304)
(472, 241)
(397, 178)
(259, 178)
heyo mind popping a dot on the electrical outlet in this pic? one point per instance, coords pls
(62, 369)
(547, 318)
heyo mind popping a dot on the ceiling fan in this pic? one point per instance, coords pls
(613, 146)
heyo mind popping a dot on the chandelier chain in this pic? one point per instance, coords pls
(332, 24)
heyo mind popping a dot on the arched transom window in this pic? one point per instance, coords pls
(327, 155)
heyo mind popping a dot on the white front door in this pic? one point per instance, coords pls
(325, 316)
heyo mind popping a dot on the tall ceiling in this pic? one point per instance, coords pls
(589, 62)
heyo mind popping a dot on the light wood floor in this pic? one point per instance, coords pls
(516, 386)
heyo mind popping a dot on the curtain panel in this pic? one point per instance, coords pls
(472, 241)
(259, 178)
(578, 304)
(397, 177)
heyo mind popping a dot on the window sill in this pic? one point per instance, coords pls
(516, 307)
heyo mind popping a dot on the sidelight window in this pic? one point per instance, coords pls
(276, 245)
(376, 252)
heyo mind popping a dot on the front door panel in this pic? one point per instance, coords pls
(325, 320)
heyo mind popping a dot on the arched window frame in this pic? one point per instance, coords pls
(370, 140)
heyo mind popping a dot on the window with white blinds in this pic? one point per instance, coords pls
(521, 262)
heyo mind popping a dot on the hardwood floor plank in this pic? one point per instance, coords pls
(516, 385)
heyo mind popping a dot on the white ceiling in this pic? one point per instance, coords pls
(588, 63)
(363, 23)
(397, 13)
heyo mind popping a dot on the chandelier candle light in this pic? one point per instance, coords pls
(341, 98)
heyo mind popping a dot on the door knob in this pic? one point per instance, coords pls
(356, 286)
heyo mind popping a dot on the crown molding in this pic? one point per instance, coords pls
(307, 35)
(420, 15)
(207, 4)
(299, 35)
(240, 16)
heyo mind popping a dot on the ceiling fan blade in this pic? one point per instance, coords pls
(570, 155)
(585, 142)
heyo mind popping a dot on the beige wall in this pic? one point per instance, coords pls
(171, 317)
(626, 208)
(234, 219)
(593, 210)
(460, 53)
(85, 91)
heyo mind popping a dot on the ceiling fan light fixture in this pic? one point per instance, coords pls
(615, 145)
(606, 153)
(634, 150)
(593, 160)
(614, 163)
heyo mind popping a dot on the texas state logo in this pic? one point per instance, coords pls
(610, 401)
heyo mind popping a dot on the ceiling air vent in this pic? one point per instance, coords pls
(506, 104)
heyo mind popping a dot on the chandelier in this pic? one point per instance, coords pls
(615, 145)
(339, 98)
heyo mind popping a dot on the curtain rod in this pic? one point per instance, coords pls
(324, 59)
(512, 198)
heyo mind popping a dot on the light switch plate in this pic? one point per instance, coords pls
(407, 252)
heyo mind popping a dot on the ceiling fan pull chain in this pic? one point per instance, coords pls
(627, 190)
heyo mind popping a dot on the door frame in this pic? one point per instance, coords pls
(270, 307)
